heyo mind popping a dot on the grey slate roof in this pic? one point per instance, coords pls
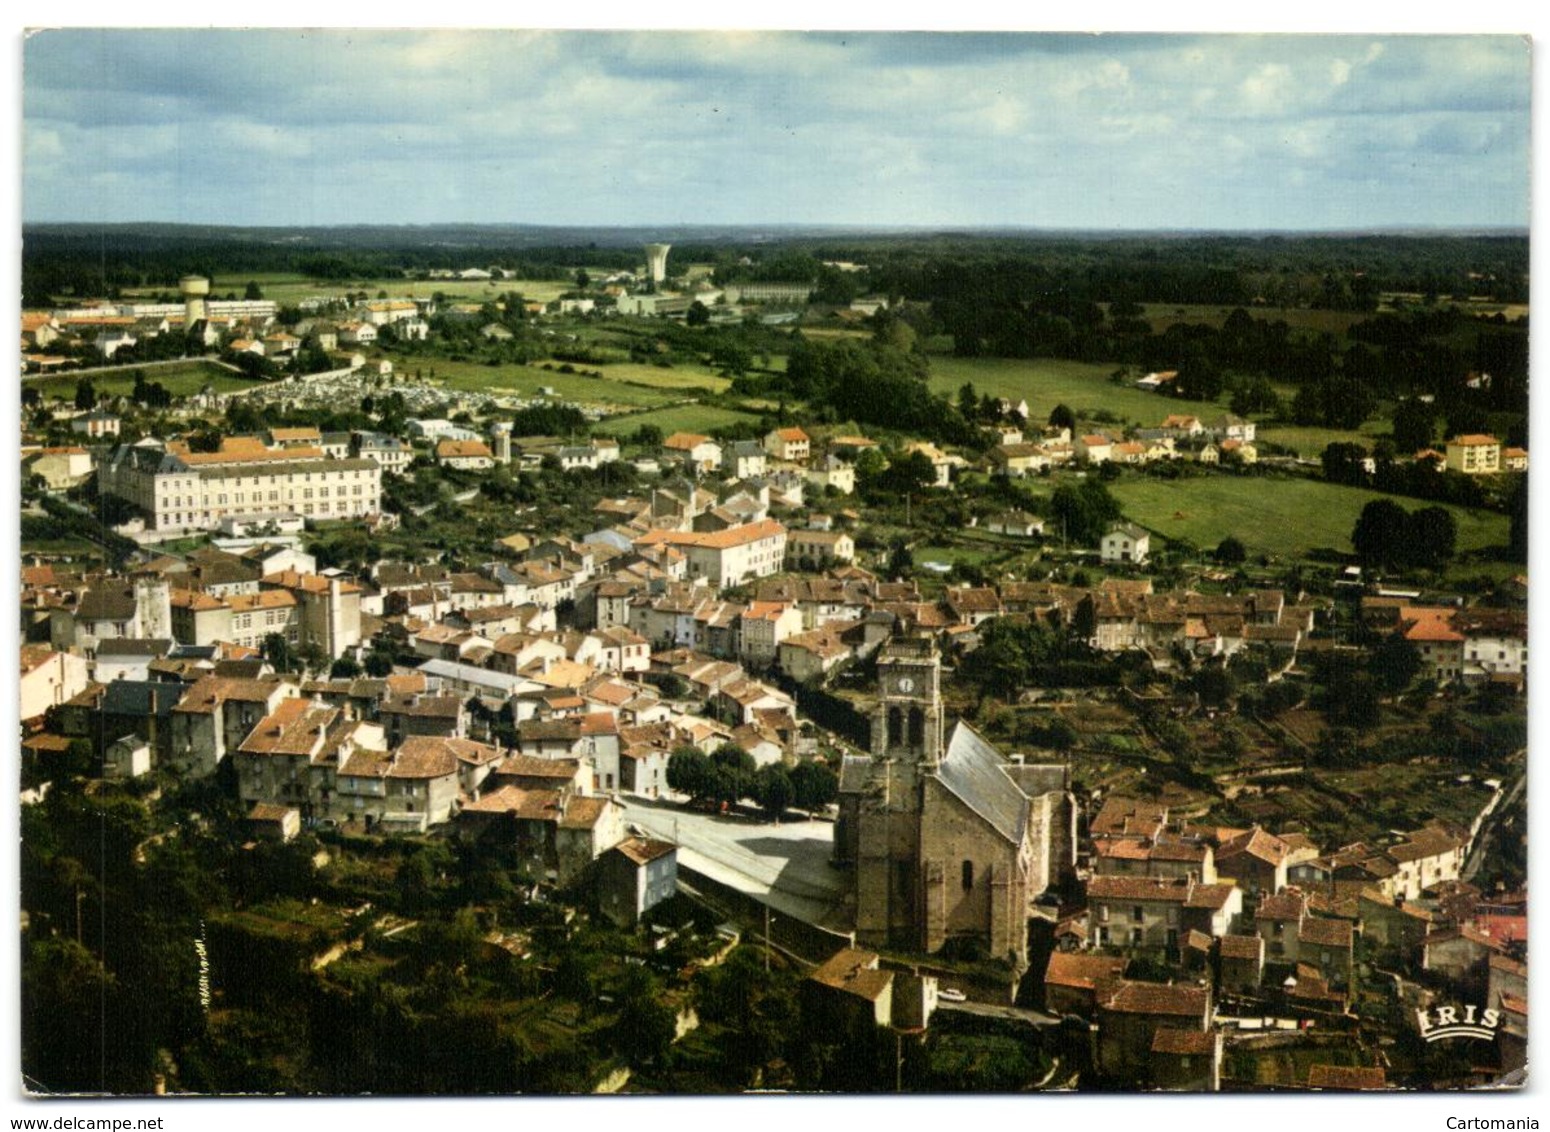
(141, 698)
(975, 773)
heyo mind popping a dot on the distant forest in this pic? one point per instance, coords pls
(1341, 272)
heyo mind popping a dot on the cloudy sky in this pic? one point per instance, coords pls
(273, 127)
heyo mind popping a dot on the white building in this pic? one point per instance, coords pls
(1125, 543)
(728, 557)
(183, 490)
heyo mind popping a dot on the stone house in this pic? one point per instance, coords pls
(1186, 1060)
(1072, 981)
(1256, 860)
(848, 992)
(1241, 963)
(214, 716)
(1130, 1014)
(634, 877)
(1146, 914)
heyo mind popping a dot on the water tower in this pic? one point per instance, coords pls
(194, 288)
(500, 434)
(656, 262)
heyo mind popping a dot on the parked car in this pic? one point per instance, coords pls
(950, 994)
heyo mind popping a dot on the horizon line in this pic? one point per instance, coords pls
(837, 226)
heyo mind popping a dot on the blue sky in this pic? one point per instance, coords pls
(1114, 131)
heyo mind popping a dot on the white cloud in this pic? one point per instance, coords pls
(425, 126)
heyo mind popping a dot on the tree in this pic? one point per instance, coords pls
(85, 395)
(204, 440)
(698, 314)
(911, 472)
(773, 790)
(1396, 663)
(968, 401)
(1256, 395)
(1380, 533)
(646, 1026)
(1230, 551)
(345, 668)
(1214, 685)
(1083, 513)
(252, 292)
(1343, 463)
(1350, 694)
(1199, 378)
(813, 785)
(1061, 416)
(1415, 425)
(734, 772)
(689, 772)
(279, 652)
(1433, 537)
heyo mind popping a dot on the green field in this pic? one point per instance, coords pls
(624, 384)
(181, 379)
(1310, 442)
(291, 288)
(1286, 517)
(524, 381)
(1084, 387)
(679, 418)
(679, 377)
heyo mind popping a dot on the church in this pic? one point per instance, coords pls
(946, 838)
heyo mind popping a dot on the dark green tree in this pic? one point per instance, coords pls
(646, 1026)
(773, 790)
(1396, 663)
(1415, 425)
(279, 652)
(813, 785)
(1230, 551)
(1380, 533)
(1433, 537)
(689, 772)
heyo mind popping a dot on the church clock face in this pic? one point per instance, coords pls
(906, 684)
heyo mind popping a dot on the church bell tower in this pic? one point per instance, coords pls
(907, 721)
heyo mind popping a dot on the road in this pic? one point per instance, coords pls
(785, 865)
(1488, 828)
(993, 1010)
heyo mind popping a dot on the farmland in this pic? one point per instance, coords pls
(678, 418)
(627, 386)
(290, 289)
(180, 379)
(1286, 517)
(1084, 387)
